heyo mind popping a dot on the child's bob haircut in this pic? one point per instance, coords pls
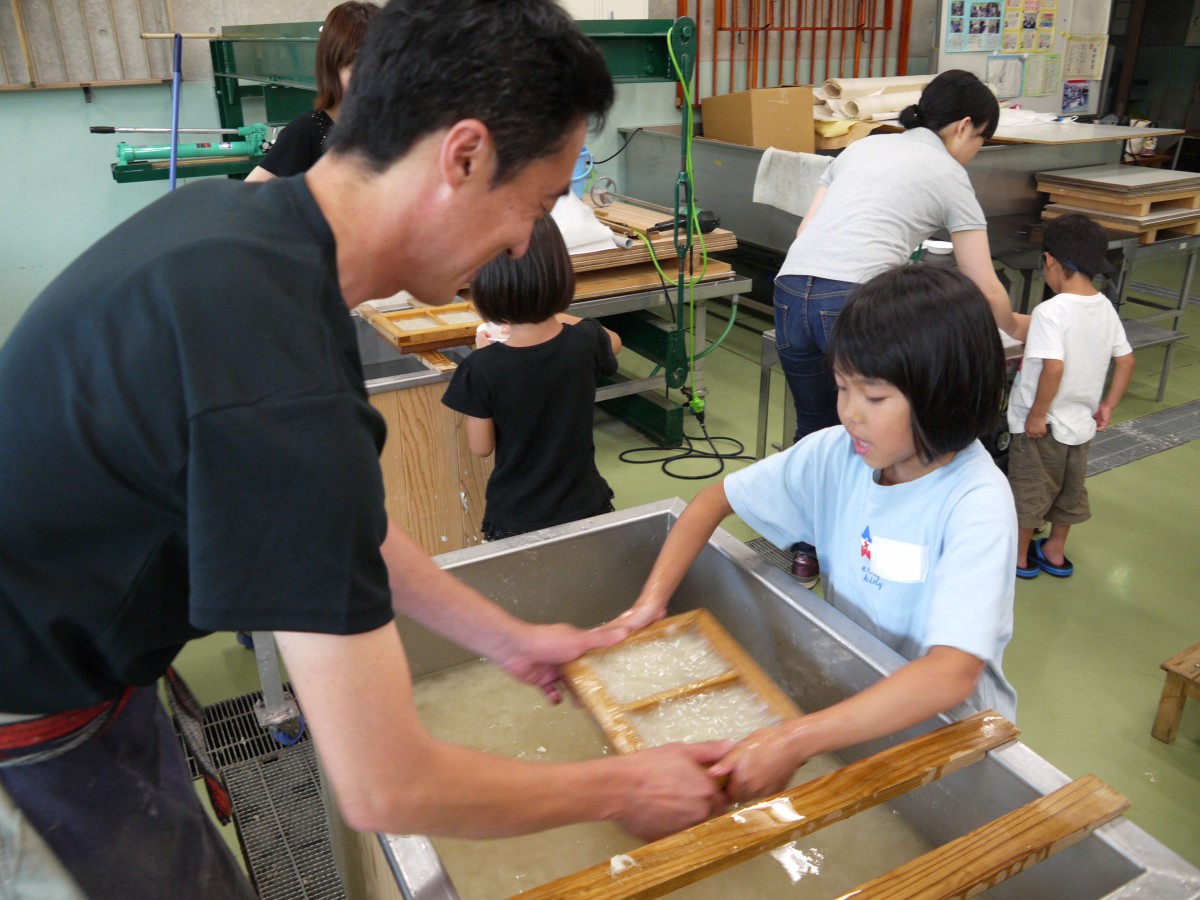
(1077, 243)
(529, 289)
(928, 331)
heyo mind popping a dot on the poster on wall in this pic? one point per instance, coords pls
(1041, 76)
(1006, 74)
(1085, 57)
(1076, 97)
(974, 26)
(1028, 26)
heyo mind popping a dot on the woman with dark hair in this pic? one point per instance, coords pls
(917, 521)
(302, 140)
(876, 203)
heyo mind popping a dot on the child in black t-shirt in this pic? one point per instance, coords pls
(530, 396)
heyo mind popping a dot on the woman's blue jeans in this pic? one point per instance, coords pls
(805, 310)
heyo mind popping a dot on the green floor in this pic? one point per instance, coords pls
(1086, 651)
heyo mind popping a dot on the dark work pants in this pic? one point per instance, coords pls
(122, 815)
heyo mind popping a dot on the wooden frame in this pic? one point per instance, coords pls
(444, 332)
(615, 717)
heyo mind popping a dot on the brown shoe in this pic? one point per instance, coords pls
(806, 569)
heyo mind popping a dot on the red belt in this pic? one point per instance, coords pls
(35, 740)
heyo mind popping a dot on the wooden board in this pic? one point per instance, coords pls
(618, 718)
(443, 329)
(1003, 847)
(1120, 179)
(1124, 205)
(1149, 228)
(724, 841)
(628, 218)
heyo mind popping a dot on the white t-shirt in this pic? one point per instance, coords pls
(885, 194)
(918, 565)
(1085, 333)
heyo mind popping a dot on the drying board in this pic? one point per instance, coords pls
(1148, 228)
(672, 681)
(627, 219)
(1120, 179)
(424, 328)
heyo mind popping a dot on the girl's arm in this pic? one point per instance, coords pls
(974, 259)
(683, 544)
(763, 763)
(481, 435)
(613, 337)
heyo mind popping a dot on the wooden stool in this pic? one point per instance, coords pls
(1183, 681)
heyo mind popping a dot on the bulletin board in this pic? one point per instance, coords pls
(1042, 55)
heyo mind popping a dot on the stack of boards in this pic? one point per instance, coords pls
(1154, 204)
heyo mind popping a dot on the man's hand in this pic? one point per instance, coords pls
(1035, 425)
(536, 655)
(1103, 417)
(672, 790)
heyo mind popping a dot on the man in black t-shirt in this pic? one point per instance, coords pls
(188, 447)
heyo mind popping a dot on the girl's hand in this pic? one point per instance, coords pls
(761, 765)
(645, 611)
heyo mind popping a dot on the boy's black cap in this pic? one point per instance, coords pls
(1078, 244)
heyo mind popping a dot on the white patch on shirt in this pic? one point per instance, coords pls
(899, 561)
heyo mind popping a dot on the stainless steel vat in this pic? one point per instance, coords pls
(587, 572)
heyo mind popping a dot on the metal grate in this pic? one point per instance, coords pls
(282, 826)
(781, 559)
(1139, 438)
(232, 732)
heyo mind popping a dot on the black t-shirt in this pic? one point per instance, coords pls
(541, 400)
(187, 447)
(299, 145)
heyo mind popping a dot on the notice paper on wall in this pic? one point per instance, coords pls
(1006, 74)
(1041, 75)
(1076, 97)
(1085, 57)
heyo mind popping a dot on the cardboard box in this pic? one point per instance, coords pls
(767, 117)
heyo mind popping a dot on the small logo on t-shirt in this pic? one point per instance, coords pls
(866, 543)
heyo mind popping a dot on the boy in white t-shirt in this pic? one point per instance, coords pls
(1054, 408)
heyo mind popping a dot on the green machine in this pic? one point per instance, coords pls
(274, 63)
(648, 51)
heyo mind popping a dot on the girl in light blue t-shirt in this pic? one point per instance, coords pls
(916, 523)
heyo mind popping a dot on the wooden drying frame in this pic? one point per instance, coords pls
(437, 337)
(613, 716)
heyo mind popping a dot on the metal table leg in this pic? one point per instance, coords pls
(278, 711)
(768, 356)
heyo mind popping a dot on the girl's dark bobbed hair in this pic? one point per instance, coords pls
(532, 288)
(928, 331)
(952, 96)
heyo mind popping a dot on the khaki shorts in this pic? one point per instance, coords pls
(1047, 479)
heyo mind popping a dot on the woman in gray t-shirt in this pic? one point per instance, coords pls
(879, 199)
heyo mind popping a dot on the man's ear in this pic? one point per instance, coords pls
(466, 152)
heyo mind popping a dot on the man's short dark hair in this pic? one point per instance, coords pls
(928, 331)
(1077, 243)
(522, 67)
(531, 288)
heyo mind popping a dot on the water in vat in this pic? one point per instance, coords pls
(479, 706)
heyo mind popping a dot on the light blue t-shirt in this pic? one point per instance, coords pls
(918, 565)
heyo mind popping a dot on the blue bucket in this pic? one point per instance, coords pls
(583, 168)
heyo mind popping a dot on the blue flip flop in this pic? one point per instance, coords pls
(1063, 571)
(1032, 568)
